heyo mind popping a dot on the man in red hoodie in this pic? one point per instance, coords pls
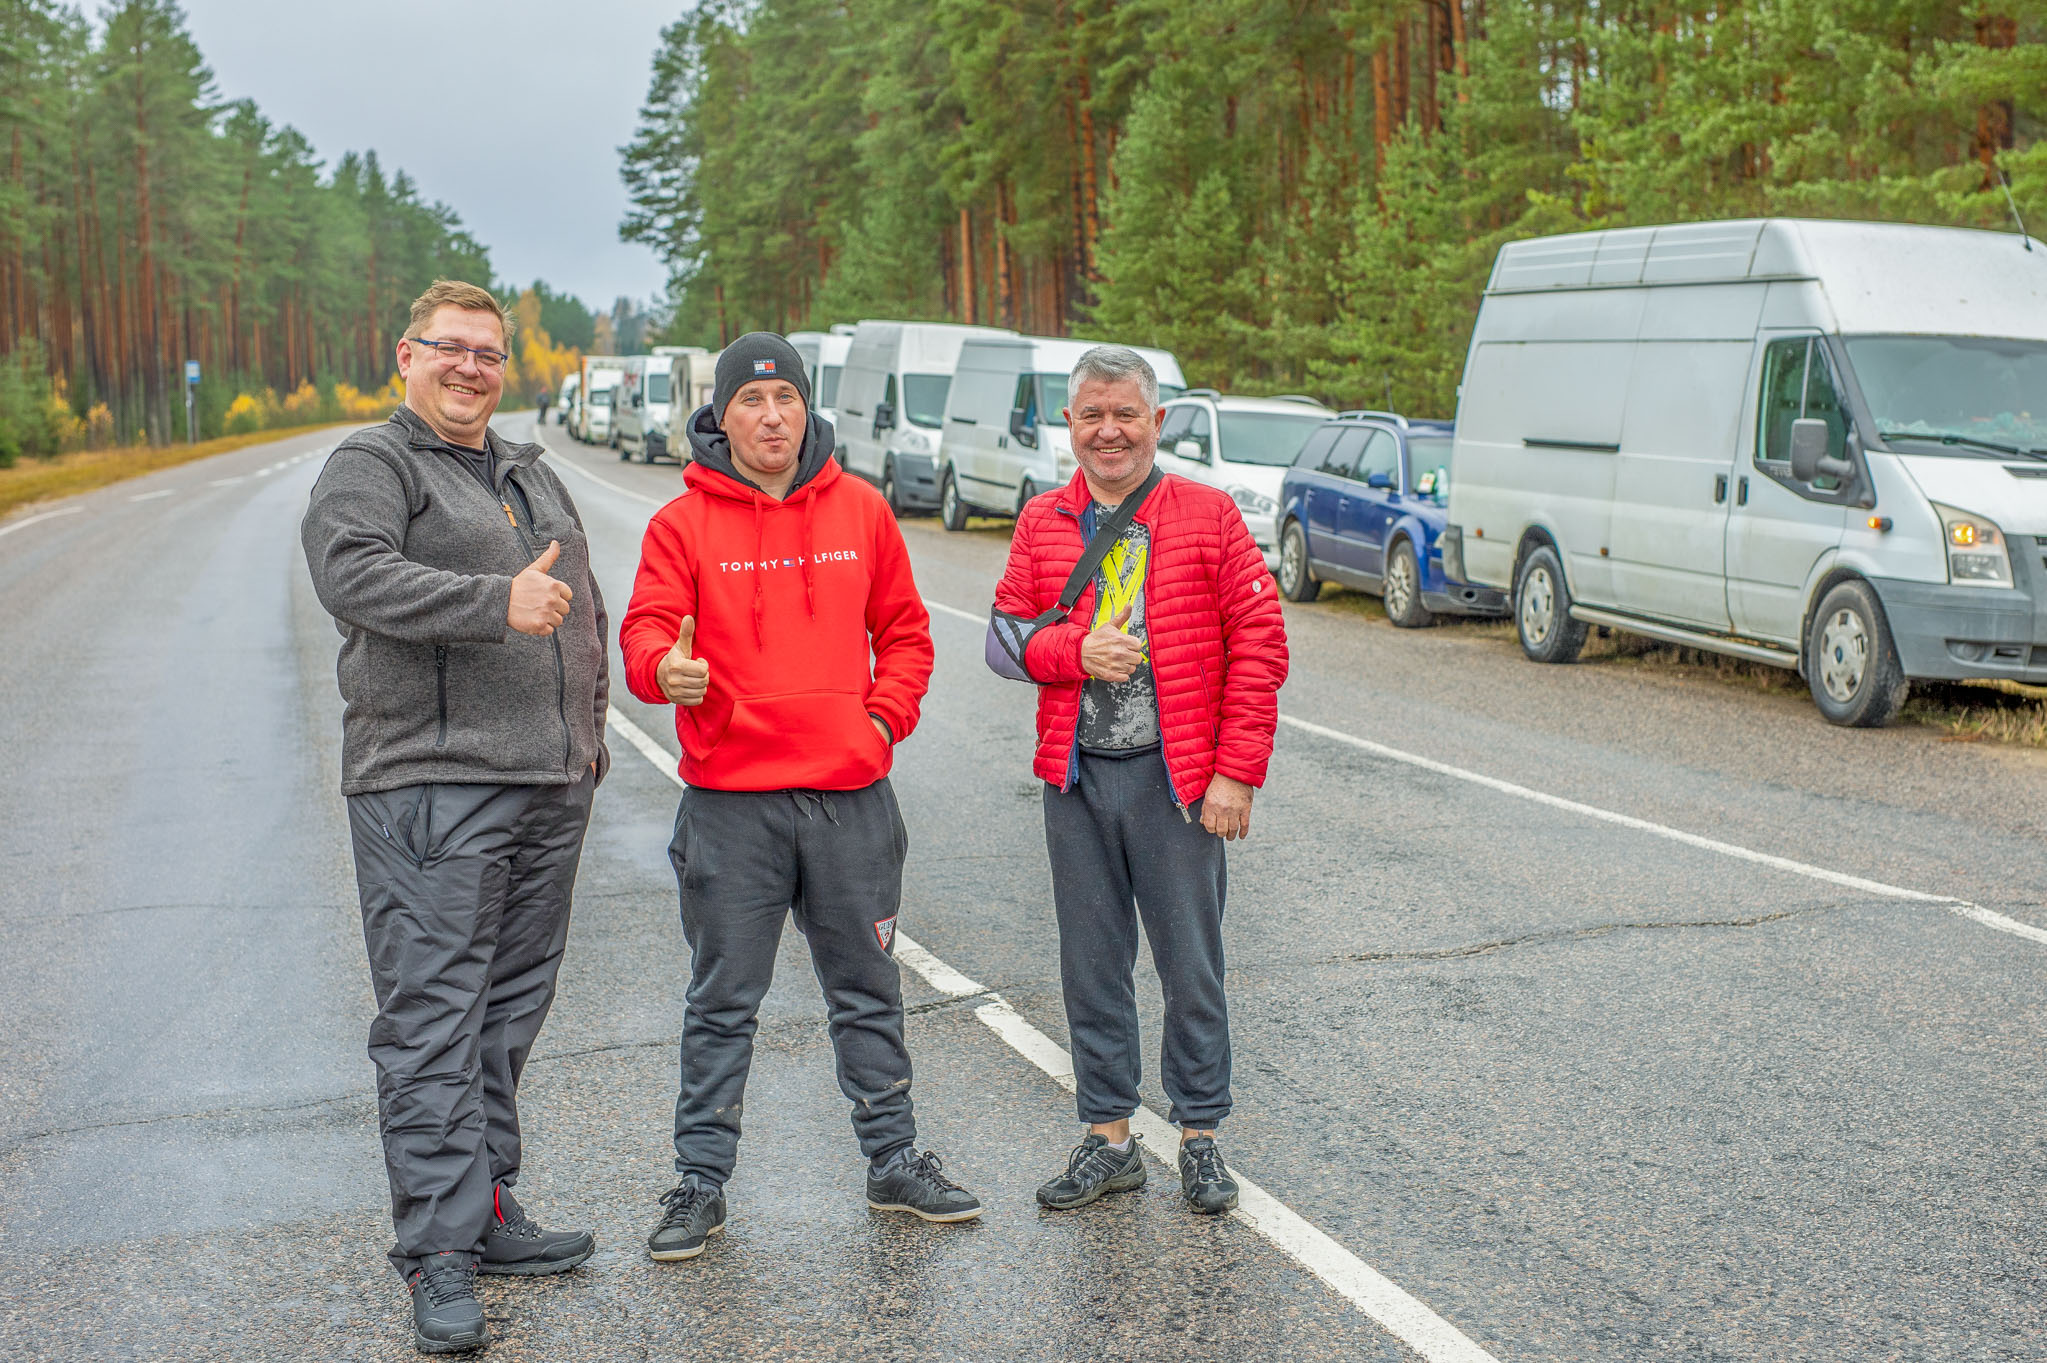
(763, 591)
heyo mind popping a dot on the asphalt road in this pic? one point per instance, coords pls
(1586, 1090)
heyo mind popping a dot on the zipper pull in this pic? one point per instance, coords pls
(508, 514)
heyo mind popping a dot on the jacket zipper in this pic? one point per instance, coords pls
(561, 671)
(441, 686)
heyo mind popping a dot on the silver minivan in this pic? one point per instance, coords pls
(1819, 445)
(1005, 438)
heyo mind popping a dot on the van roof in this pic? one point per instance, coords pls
(1060, 353)
(1877, 276)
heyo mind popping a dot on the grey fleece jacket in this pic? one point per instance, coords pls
(414, 559)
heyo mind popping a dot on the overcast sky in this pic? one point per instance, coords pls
(554, 89)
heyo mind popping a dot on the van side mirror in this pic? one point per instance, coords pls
(1187, 449)
(884, 417)
(1019, 426)
(1810, 441)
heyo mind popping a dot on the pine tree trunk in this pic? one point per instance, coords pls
(1401, 62)
(1382, 105)
(1005, 282)
(1458, 47)
(1994, 120)
(1090, 214)
(967, 266)
(155, 403)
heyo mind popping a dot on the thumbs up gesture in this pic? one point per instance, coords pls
(684, 679)
(1110, 654)
(539, 603)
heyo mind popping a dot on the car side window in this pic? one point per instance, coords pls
(1201, 432)
(1175, 429)
(1318, 445)
(1798, 381)
(1382, 455)
(1342, 458)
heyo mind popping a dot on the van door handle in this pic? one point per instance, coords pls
(1741, 492)
(1001, 442)
(1719, 488)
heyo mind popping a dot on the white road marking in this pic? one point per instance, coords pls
(1989, 918)
(152, 496)
(27, 521)
(227, 482)
(562, 461)
(1976, 912)
(1399, 1313)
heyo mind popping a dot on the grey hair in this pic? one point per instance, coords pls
(1113, 364)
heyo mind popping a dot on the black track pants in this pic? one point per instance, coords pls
(465, 906)
(745, 860)
(1120, 847)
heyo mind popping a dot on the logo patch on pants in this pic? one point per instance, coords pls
(885, 932)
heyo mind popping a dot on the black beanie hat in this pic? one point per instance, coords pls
(756, 355)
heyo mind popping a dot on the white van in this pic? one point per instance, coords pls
(1005, 437)
(892, 404)
(1821, 445)
(565, 400)
(824, 356)
(600, 375)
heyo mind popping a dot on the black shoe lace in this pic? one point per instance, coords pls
(1208, 1165)
(682, 1202)
(1092, 1159)
(926, 1169)
(445, 1284)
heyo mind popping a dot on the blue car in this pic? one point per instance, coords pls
(1364, 505)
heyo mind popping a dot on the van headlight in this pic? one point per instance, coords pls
(916, 441)
(1252, 502)
(1976, 552)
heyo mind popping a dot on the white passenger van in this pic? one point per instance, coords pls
(1005, 437)
(892, 404)
(824, 356)
(600, 375)
(1821, 445)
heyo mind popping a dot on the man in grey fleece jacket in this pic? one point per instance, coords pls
(473, 672)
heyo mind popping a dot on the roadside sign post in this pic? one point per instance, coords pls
(191, 389)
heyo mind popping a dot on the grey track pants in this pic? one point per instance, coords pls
(1120, 847)
(744, 860)
(465, 907)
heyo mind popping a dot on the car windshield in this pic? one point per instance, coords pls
(1959, 394)
(1428, 466)
(924, 399)
(657, 388)
(1270, 438)
(828, 386)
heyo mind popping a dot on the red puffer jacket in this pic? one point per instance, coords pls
(1217, 639)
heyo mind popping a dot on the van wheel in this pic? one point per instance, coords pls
(1025, 491)
(889, 491)
(625, 456)
(1296, 583)
(1542, 610)
(1402, 588)
(1851, 662)
(952, 512)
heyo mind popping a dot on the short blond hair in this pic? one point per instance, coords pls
(453, 293)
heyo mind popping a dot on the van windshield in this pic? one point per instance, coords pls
(1950, 391)
(657, 388)
(1272, 438)
(924, 399)
(601, 398)
(1052, 397)
(828, 386)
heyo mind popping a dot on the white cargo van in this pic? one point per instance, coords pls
(1005, 437)
(600, 376)
(892, 404)
(1821, 445)
(565, 400)
(824, 356)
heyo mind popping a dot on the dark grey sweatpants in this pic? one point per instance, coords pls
(465, 908)
(1120, 847)
(744, 860)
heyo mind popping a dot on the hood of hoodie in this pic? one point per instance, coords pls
(711, 453)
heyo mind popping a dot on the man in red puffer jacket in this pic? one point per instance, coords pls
(1157, 699)
(763, 592)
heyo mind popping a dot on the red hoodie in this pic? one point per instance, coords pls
(789, 598)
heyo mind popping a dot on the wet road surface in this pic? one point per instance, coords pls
(1584, 1091)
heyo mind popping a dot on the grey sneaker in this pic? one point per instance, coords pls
(1204, 1182)
(518, 1246)
(913, 1183)
(446, 1318)
(1095, 1167)
(692, 1213)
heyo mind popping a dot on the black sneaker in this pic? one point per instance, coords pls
(518, 1246)
(692, 1213)
(1096, 1167)
(1204, 1182)
(445, 1316)
(913, 1183)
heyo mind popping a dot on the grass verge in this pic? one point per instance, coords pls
(39, 480)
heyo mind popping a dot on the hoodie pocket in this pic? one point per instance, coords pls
(819, 739)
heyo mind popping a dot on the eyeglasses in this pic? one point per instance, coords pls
(452, 352)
